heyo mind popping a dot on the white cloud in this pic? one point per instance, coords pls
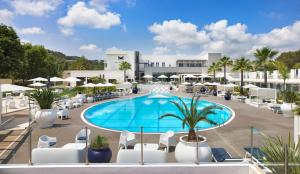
(89, 48)
(6, 16)
(160, 50)
(67, 31)
(35, 7)
(82, 15)
(232, 40)
(30, 31)
(177, 32)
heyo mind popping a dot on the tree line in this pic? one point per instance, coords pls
(23, 61)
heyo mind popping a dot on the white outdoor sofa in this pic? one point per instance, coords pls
(134, 156)
(69, 153)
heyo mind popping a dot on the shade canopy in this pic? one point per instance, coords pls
(56, 79)
(186, 83)
(109, 84)
(230, 85)
(199, 84)
(99, 85)
(190, 76)
(89, 85)
(12, 88)
(250, 86)
(37, 84)
(39, 79)
(148, 76)
(162, 77)
(72, 79)
(174, 77)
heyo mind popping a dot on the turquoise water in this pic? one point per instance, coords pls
(131, 114)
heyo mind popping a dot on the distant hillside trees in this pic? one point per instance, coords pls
(25, 61)
(290, 58)
(11, 52)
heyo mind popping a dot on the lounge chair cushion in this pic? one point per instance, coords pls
(220, 154)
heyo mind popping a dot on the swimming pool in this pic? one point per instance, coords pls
(131, 114)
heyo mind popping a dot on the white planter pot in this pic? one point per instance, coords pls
(287, 109)
(45, 117)
(187, 151)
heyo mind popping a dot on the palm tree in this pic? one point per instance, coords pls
(190, 116)
(242, 65)
(124, 66)
(263, 57)
(213, 68)
(274, 153)
(283, 70)
(224, 62)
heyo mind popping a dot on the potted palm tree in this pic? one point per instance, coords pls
(99, 151)
(46, 115)
(190, 117)
(289, 99)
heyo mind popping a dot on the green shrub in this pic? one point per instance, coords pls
(99, 142)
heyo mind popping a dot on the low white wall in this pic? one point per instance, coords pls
(130, 169)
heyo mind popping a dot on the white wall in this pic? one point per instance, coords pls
(296, 129)
(112, 60)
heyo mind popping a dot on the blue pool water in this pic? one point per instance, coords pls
(131, 114)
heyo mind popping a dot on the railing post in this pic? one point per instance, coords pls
(142, 146)
(286, 161)
(197, 149)
(29, 133)
(251, 144)
(86, 146)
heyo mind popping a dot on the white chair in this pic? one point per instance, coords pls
(82, 137)
(168, 139)
(127, 139)
(69, 104)
(46, 142)
(64, 113)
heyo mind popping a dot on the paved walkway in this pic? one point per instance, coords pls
(234, 136)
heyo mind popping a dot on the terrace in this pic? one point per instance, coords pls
(233, 137)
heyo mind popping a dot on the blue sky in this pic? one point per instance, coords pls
(89, 27)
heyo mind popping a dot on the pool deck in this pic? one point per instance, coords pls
(233, 136)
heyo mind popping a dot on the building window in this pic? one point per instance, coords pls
(157, 64)
(120, 57)
(152, 64)
(180, 64)
(163, 64)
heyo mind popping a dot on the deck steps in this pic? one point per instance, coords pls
(10, 140)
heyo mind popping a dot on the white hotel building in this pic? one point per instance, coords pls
(168, 65)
